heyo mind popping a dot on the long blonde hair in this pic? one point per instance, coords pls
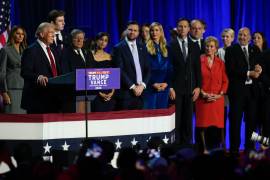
(150, 45)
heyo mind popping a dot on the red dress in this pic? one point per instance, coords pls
(214, 80)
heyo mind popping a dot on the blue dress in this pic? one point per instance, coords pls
(160, 73)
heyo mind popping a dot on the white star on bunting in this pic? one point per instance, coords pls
(134, 142)
(65, 146)
(47, 148)
(118, 144)
(165, 139)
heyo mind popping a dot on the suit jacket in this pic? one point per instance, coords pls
(265, 76)
(10, 69)
(72, 61)
(202, 48)
(186, 74)
(61, 45)
(237, 67)
(123, 59)
(35, 63)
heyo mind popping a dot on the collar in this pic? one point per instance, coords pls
(246, 46)
(181, 39)
(42, 44)
(130, 42)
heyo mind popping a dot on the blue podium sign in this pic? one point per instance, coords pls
(97, 79)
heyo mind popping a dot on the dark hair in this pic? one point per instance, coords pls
(265, 45)
(99, 36)
(133, 23)
(11, 37)
(183, 19)
(53, 14)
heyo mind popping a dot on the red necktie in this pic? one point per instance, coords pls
(53, 66)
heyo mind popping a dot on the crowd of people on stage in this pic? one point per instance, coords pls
(189, 70)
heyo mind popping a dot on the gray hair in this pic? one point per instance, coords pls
(75, 32)
(42, 27)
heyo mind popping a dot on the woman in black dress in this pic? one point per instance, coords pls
(104, 100)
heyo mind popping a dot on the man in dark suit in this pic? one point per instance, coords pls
(186, 81)
(196, 33)
(74, 57)
(57, 18)
(39, 63)
(243, 71)
(131, 57)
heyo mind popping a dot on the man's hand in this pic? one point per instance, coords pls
(138, 89)
(42, 80)
(6, 98)
(195, 93)
(254, 74)
(172, 94)
(258, 68)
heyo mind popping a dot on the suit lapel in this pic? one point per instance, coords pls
(140, 54)
(45, 59)
(14, 53)
(178, 50)
(44, 56)
(241, 53)
(129, 54)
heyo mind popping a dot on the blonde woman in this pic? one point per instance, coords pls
(227, 36)
(210, 105)
(156, 95)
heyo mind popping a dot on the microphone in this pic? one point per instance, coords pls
(260, 139)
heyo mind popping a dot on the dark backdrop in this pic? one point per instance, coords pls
(112, 15)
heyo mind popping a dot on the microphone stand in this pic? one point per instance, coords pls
(85, 101)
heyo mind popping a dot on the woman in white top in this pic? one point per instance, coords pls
(227, 36)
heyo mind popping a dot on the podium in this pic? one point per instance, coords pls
(75, 87)
(63, 80)
(72, 101)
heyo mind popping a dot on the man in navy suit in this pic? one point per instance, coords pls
(39, 63)
(131, 57)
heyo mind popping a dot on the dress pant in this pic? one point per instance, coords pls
(243, 103)
(183, 119)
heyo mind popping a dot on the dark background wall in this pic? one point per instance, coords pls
(112, 15)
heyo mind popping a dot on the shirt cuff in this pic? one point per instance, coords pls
(143, 85)
(132, 87)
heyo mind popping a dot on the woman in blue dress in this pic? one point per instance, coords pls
(157, 91)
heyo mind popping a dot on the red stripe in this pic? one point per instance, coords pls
(40, 118)
(2, 39)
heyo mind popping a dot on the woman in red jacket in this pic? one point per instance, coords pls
(210, 105)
